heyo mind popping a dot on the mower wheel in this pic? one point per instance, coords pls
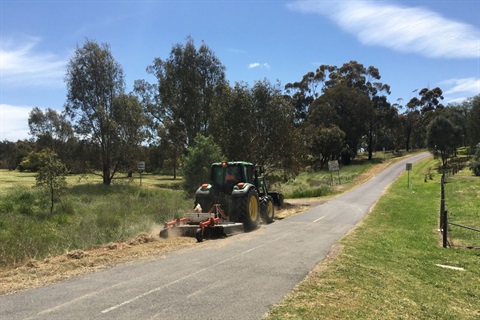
(247, 208)
(267, 210)
(198, 235)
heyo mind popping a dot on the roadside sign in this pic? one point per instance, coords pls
(141, 168)
(333, 165)
(409, 168)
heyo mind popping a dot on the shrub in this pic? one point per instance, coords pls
(475, 164)
(197, 163)
(321, 191)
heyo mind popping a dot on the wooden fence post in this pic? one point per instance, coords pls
(442, 200)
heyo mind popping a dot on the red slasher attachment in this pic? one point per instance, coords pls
(202, 225)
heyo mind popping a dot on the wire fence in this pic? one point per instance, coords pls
(445, 224)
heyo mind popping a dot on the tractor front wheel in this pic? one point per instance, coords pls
(247, 208)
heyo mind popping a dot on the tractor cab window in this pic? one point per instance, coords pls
(249, 173)
(227, 176)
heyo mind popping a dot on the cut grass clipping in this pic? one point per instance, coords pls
(392, 266)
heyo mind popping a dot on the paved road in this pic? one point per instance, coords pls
(236, 278)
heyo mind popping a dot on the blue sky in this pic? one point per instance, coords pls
(414, 44)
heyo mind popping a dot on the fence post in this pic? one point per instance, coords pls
(445, 229)
(443, 212)
(442, 200)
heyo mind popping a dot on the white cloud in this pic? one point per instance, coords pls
(14, 122)
(22, 65)
(403, 29)
(466, 85)
(258, 65)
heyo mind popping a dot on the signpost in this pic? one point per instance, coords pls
(333, 166)
(141, 168)
(409, 168)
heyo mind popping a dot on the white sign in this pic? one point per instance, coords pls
(333, 165)
(141, 166)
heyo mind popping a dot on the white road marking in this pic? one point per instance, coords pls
(177, 281)
(75, 300)
(319, 219)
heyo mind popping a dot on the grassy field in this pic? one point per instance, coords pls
(319, 183)
(390, 266)
(462, 198)
(88, 213)
(11, 179)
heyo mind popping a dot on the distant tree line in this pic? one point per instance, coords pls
(332, 113)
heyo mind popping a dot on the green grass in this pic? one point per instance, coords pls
(318, 183)
(388, 269)
(87, 214)
(462, 198)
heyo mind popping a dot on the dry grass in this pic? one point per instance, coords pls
(37, 273)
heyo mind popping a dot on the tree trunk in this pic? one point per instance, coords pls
(407, 140)
(174, 163)
(52, 198)
(106, 175)
(370, 145)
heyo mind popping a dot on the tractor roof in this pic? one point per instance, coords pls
(232, 163)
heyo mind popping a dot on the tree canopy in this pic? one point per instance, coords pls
(331, 113)
(100, 111)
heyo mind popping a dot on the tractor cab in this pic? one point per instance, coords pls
(224, 176)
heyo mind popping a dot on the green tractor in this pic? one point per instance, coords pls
(241, 191)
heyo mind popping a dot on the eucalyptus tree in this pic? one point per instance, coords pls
(324, 144)
(52, 130)
(50, 125)
(441, 138)
(276, 141)
(189, 84)
(473, 121)
(303, 93)
(188, 89)
(94, 80)
(355, 75)
(233, 128)
(352, 109)
(328, 82)
(51, 176)
(129, 123)
(421, 111)
(256, 124)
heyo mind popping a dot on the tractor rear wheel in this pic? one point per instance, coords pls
(247, 208)
(267, 210)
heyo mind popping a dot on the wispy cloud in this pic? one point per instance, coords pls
(14, 122)
(22, 64)
(404, 29)
(255, 65)
(466, 85)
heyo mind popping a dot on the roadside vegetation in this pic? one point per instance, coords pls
(87, 214)
(319, 183)
(390, 266)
